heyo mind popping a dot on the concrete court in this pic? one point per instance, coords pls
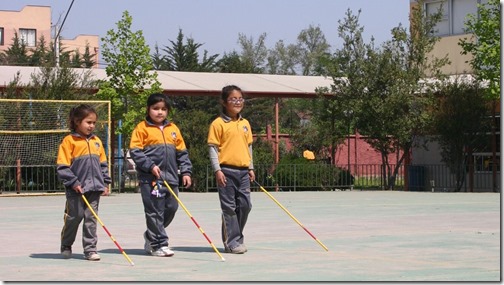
(381, 236)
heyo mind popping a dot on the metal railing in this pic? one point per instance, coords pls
(294, 177)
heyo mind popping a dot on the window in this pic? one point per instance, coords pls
(1, 36)
(28, 36)
(483, 161)
(454, 14)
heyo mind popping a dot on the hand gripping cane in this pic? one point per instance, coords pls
(194, 221)
(288, 213)
(105, 228)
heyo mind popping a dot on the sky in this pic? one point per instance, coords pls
(217, 23)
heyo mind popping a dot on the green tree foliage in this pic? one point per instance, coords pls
(485, 44)
(233, 63)
(41, 55)
(182, 56)
(159, 61)
(253, 54)
(16, 54)
(312, 46)
(335, 111)
(283, 59)
(461, 122)
(87, 58)
(51, 83)
(130, 81)
(194, 127)
(379, 86)
(61, 84)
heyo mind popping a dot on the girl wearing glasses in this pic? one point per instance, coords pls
(230, 150)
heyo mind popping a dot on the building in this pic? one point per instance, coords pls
(34, 22)
(451, 29)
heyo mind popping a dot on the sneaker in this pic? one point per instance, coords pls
(92, 256)
(66, 251)
(147, 246)
(159, 252)
(226, 249)
(167, 250)
(237, 250)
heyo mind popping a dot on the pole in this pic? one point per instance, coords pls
(277, 129)
(105, 228)
(194, 221)
(56, 38)
(290, 215)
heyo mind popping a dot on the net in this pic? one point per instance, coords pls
(31, 130)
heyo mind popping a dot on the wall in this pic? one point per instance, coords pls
(30, 17)
(39, 18)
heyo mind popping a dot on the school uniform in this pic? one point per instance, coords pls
(82, 161)
(162, 146)
(230, 148)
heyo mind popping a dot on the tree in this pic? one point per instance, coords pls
(345, 69)
(283, 59)
(486, 60)
(185, 57)
(88, 57)
(484, 45)
(253, 54)
(61, 84)
(461, 122)
(130, 81)
(41, 55)
(379, 86)
(233, 63)
(17, 54)
(312, 45)
(195, 132)
(159, 61)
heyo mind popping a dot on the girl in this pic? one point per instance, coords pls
(230, 150)
(83, 169)
(159, 152)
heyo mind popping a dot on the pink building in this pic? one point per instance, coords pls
(34, 22)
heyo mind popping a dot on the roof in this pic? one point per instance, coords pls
(204, 83)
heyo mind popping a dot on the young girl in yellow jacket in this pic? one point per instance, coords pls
(159, 152)
(82, 167)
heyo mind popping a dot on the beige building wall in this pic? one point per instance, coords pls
(80, 42)
(39, 19)
(448, 46)
(30, 17)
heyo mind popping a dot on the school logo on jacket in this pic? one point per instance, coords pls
(245, 129)
(174, 135)
(97, 145)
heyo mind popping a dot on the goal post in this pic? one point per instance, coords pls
(32, 130)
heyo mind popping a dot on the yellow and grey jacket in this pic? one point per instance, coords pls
(82, 161)
(163, 146)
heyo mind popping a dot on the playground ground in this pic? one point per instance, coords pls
(384, 236)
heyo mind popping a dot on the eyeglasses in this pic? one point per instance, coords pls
(236, 100)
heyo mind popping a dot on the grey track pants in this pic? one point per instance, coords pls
(159, 213)
(76, 210)
(235, 204)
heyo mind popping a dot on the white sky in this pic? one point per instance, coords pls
(217, 23)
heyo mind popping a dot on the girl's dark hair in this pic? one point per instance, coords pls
(226, 91)
(156, 98)
(77, 114)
